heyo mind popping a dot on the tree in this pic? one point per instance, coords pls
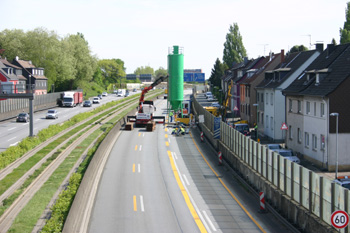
(234, 50)
(217, 73)
(297, 48)
(112, 70)
(345, 32)
(144, 70)
(161, 72)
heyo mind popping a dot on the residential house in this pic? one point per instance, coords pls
(270, 90)
(322, 89)
(247, 86)
(14, 75)
(35, 77)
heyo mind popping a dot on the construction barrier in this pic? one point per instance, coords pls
(202, 137)
(220, 158)
(262, 202)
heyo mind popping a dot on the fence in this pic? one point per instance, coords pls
(9, 108)
(263, 168)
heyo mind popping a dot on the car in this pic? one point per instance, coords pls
(126, 94)
(273, 146)
(87, 103)
(134, 90)
(288, 154)
(344, 181)
(96, 100)
(216, 105)
(99, 96)
(210, 98)
(104, 94)
(242, 128)
(22, 117)
(52, 114)
(207, 94)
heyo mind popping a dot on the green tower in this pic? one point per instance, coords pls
(176, 77)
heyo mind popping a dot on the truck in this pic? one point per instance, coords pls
(146, 108)
(72, 98)
(121, 92)
(166, 94)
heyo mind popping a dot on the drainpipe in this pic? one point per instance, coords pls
(327, 135)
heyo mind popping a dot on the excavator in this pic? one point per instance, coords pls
(146, 108)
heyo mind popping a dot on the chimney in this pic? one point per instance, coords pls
(17, 58)
(330, 49)
(319, 47)
(282, 55)
(245, 60)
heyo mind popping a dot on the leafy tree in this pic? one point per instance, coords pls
(111, 70)
(298, 48)
(345, 32)
(144, 70)
(217, 73)
(234, 50)
(161, 72)
(12, 42)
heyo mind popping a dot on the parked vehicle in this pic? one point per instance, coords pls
(210, 98)
(87, 103)
(72, 98)
(242, 128)
(96, 100)
(288, 154)
(207, 94)
(273, 146)
(344, 181)
(22, 117)
(216, 105)
(52, 114)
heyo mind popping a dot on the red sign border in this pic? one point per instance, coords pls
(347, 219)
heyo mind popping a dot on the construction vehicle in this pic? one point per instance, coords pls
(213, 110)
(226, 102)
(185, 116)
(146, 108)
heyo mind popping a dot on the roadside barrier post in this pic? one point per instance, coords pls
(262, 203)
(220, 158)
(202, 137)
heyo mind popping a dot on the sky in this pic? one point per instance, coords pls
(140, 32)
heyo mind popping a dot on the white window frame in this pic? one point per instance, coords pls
(308, 107)
(290, 132)
(314, 141)
(307, 141)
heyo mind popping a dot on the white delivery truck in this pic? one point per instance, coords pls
(121, 93)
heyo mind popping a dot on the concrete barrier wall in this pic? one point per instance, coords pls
(300, 195)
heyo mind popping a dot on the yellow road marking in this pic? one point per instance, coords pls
(166, 135)
(223, 184)
(139, 134)
(167, 143)
(166, 129)
(136, 147)
(133, 168)
(135, 203)
(186, 196)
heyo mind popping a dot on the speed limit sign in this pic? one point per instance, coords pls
(340, 219)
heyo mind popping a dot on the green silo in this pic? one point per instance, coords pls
(176, 77)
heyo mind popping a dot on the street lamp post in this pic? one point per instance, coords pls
(336, 142)
(257, 134)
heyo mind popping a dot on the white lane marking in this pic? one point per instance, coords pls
(139, 168)
(174, 154)
(140, 147)
(12, 128)
(208, 219)
(14, 144)
(11, 139)
(186, 180)
(168, 139)
(38, 119)
(143, 134)
(141, 204)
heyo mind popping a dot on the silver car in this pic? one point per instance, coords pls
(288, 154)
(52, 114)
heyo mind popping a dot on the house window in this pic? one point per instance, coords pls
(307, 107)
(314, 142)
(271, 98)
(299, 106)
(290, 132)
(290, 105)
(262, 97)
(267, 98)
(299, 135)
(271, 123)
(306, 139)
(258, 117)
(262, 118)
(257, 98)
(267, 121)
(315, 108)
(322, 109)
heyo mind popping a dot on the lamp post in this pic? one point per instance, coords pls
(336, 142)
(257, 134)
